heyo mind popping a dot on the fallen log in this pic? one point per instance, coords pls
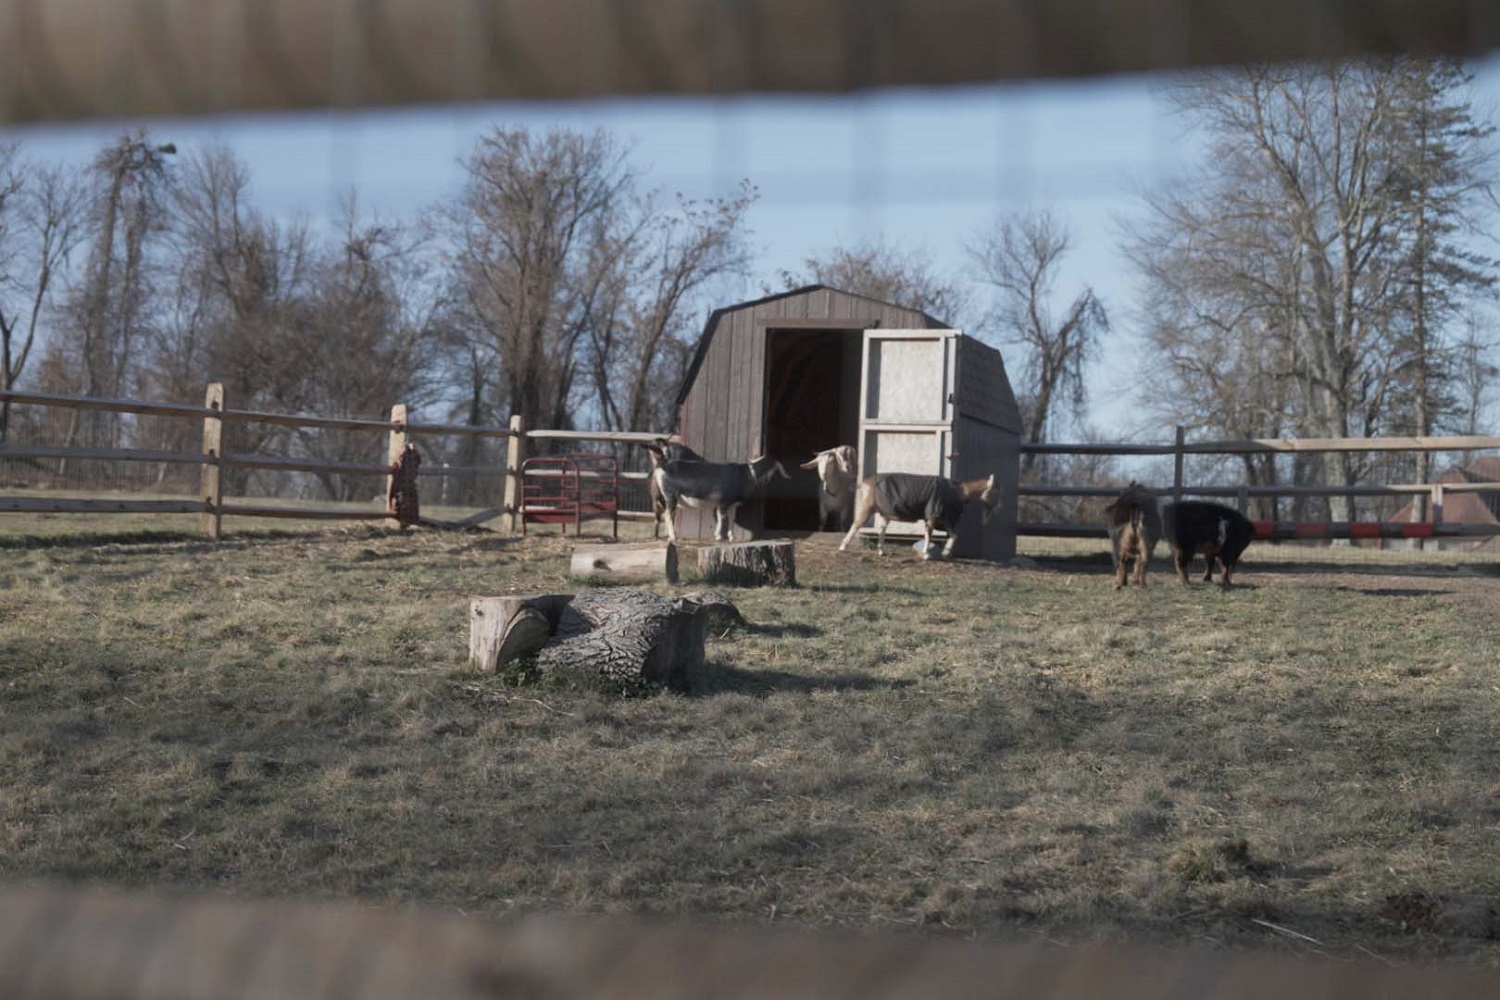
(749, 564)
(630, 563)
(624, 640)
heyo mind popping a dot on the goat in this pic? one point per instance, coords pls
(700, 483)
(1198, 527)
(836, 480)
(1134, 526)
(938, 503)
(664, 449)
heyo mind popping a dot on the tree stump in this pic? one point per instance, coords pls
(749, 564)
(632, 563)
(624, 640)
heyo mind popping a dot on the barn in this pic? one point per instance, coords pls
(1464, 507)
(791, 374)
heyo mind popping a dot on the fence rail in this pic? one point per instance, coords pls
(1287, 531)
(1425, 517)
(1257, 446)
(213, 505)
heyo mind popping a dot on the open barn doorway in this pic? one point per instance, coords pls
(812, 403)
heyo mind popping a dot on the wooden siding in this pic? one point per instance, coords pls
(983, 390)
(984, 450)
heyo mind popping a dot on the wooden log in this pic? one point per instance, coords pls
(634, 563)
(503, 629)
(620, 640)
(749, 564)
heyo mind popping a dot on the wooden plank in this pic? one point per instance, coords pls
(461, 470)
(305, 420)
(1251, 446)
(755, 413)
(107, 405)
(244, 460)
(733, 397)
(582, 474)
(395, 449)
(210, 480)
(515, 454)
(1265, 491)
(1243, 447)
(102, 454)
(457, 429)
(52, 505)
(1297, 531)
(301, 513)
(620, 437)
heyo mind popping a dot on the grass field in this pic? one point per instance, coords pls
(961, 748)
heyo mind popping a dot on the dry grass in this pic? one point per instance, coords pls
(963, 748)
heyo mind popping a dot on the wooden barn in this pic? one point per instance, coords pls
(794, 373)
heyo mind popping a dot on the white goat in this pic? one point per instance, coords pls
(836, 482)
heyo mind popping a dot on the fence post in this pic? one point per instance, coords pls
(515, 454)
(211, 521)
(1417, 516)
(1437, 511)
(393, 451)
(1245, 499)
(1177, 464)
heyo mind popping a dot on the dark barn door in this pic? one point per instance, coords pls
(811, 404)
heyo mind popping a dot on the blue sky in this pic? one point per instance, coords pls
(926, 169)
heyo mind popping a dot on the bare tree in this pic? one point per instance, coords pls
(373, 321)
(535, 234)
(40, 226)
(640, 324)
(97, 350)
(1019, 259)
(1302, 231)
(242, 313)
(882, 271)
(1477, 375)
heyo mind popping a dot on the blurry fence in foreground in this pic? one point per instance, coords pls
(62, 944)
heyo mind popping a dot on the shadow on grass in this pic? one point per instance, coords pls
(1395, 591)
(860, 588)
(1100, 564)
(796, 630)
(733, 680)
(94, 539)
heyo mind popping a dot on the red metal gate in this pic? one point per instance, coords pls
(570, 489)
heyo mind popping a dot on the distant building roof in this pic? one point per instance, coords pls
(1467, 508)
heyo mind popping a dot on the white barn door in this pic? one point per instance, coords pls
(906, 404)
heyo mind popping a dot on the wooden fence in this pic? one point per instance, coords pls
(212, 505)
(1432, 526)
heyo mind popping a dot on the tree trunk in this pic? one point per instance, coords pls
(635, 563)
(624, 640)
(749, 564)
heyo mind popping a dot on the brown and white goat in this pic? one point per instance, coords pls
(1134, 524)
(936, 502)
(836, 482)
